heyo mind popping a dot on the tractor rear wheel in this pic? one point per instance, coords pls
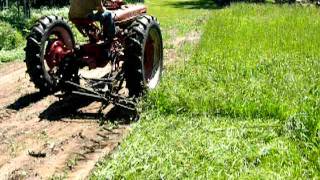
(48, 54)
(144, 55)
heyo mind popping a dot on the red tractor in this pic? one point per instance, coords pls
(129, 64)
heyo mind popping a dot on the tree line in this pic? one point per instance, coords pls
(25, 5)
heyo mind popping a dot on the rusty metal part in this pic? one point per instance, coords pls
(122, 14)
(106, 89)
(56, 53)
(114, 4)
(105, 98)
(99, 52)
(129, 12)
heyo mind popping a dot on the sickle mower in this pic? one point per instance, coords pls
(129, 64)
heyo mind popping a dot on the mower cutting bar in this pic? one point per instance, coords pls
(98, 79)
(96, 97)
(111, 98)
(82, 88)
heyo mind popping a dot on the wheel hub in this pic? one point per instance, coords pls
(56, 53)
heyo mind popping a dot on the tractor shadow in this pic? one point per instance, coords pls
(69, 107)
(26, 100)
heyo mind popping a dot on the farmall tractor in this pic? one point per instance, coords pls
(125, 67)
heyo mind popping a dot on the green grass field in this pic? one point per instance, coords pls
(243, 102)
(245, 105)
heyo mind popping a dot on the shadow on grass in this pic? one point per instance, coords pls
(69, 107)
(213, 4)
(200, 4)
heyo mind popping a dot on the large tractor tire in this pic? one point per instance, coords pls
(144, 55)
(47, 57)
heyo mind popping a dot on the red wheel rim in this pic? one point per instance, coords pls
(152, 65)
(55, 53)
(149, 58)
(55, 48)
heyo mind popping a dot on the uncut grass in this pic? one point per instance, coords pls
(233, 111)
(253, 61)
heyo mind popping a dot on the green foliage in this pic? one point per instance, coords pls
(10, 38)
(15, 19)
(14, 28)
(11, 55)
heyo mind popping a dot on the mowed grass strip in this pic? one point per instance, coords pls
(180, 147)
(246, 105)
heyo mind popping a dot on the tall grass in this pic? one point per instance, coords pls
(246, 105)
(254, 62)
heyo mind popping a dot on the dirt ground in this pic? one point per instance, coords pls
(44, 137)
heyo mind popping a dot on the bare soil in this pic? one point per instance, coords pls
(44, 137)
